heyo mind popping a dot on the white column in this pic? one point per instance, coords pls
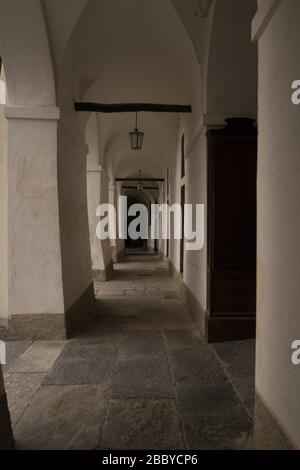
(97, 187)
(93, 196)
(35, 288)
(276, 27)
(117, 245)
(112, 201)
(105, 244)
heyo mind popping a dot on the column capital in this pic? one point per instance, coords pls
(43, 113)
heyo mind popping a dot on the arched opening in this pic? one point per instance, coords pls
(136, 243)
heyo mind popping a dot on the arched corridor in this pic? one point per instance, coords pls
(149, 224)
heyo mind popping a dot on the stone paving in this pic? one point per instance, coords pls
(140, 377)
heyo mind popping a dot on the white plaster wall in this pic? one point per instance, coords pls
(2, 92)
(232, 63)
(112, 200)
(175, 195)
(76, 255)
(278, 317)
(35, 276)
(195, 262)
(195, 274)
(104, 199)
(61, 17)
(94, 191)
(26, 54)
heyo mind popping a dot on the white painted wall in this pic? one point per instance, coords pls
(232, 60)
(74, 228)
(35, 276)
(2, 92)
(25, 53)
(93, 190)
(278, 318)
(195, 275)
(104, 199)
(195, 265)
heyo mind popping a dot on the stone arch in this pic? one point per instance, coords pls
(25, 51)
(34, 255)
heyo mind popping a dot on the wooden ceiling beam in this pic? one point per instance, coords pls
(131, 108)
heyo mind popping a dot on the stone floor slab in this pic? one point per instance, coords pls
(79, 364)
(212, 417)
(238, 357)
(181, 338)
(39, 357)
(265, 434)
(192, 399)
(14, 349)
(20, 389)
(63, 417)
(137, 344)
(238, 360)
(224, 431)
(147, 377)
(157, 325)
(195, 365)
(142, 424)
(98, 333)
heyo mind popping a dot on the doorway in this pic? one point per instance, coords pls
(232, 173)
(138, 244)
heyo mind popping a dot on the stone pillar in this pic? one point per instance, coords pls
(105, 244)
(35, 288)
(120, 242)
(117, 245)
(93, 197)
(276, 28)
(112, 201)
(6, 435)
(100, 249)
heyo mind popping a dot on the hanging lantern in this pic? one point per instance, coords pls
(136, 137)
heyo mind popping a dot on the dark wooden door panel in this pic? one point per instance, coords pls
(232, 174)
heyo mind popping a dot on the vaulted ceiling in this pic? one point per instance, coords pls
(134, 51)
